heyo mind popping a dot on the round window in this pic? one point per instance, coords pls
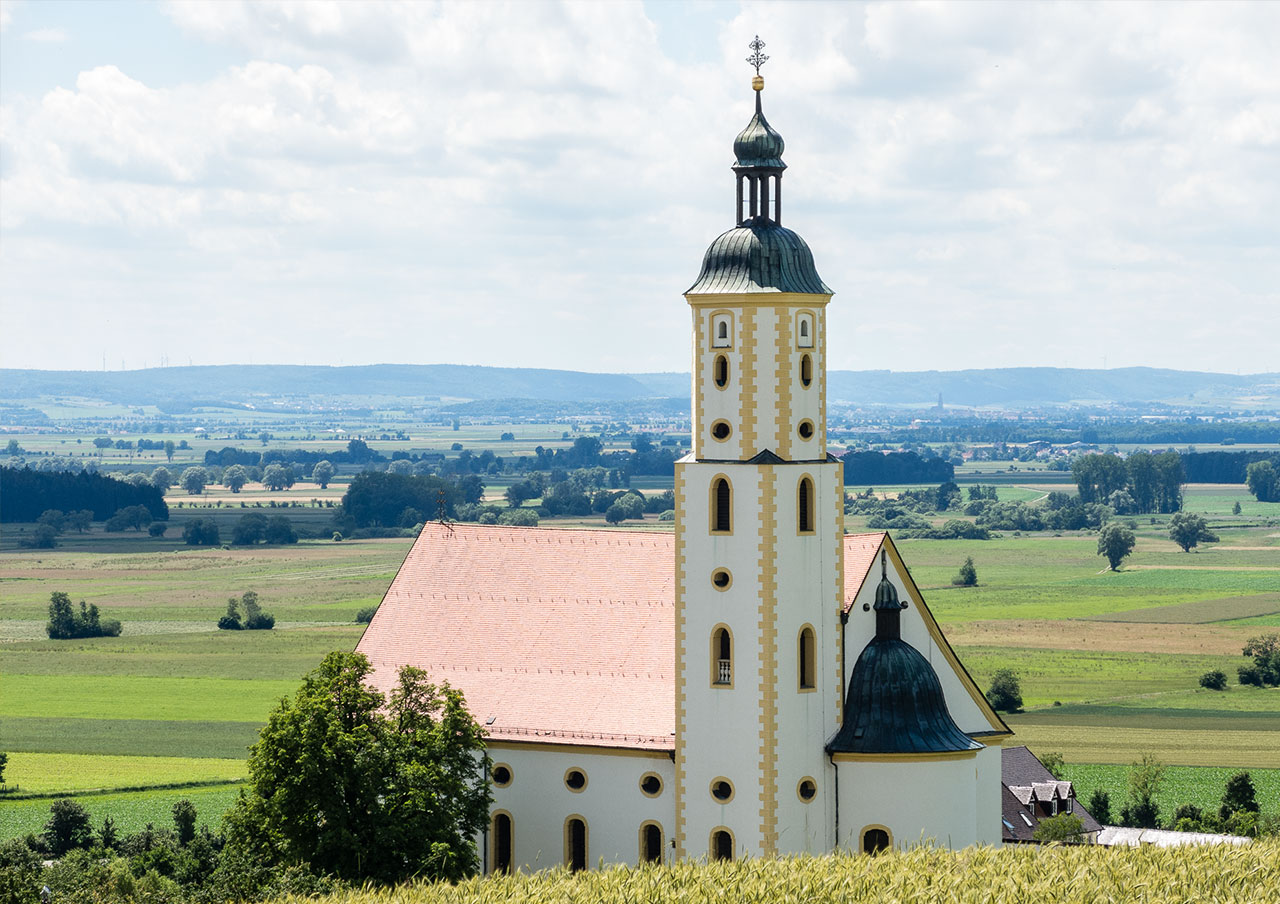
(575, 779)
(651, 785)
(502, 775)
(721, 430)
(807, 789)
(722, 790)
(806, 430)
(721, 579)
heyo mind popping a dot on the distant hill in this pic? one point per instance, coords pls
(178, 388)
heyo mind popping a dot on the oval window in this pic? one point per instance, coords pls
(575, 779)
(805, 430)
(807, 790)
(721, 371)
(806, 371)
(502, 775)
(651, 785)
(721, 430)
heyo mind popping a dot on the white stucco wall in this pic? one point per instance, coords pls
(611, 804)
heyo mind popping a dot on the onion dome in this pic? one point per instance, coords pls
(758, 145)
(895, 702)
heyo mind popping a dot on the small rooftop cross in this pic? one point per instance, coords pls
(757, 58)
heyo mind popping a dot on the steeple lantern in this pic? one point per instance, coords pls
(758, 162)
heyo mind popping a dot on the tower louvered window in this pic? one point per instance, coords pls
(805, 502)
(723, 522)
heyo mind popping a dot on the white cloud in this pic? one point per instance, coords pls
(982, 184)
(45, 35)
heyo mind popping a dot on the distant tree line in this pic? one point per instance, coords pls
(1163, 433)
(27, 494)
(1223, 467)
(1139, 484)
(867, 468)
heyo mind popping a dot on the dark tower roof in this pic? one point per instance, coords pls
(758, 254)
(895, 702)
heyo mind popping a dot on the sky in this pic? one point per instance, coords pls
(534, 184)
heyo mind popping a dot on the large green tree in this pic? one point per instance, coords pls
(194, 480)
(322, 473)
(363, 786)
(1098, 476)
(1115, 541)
(1188, 530)
(1263, 481)
(234, 478)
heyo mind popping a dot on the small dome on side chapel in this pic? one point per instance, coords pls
(895, 702)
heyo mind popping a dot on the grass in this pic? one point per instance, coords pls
(1182, 745)
(130, 811)
(1202, 785)
(41, 773)
(142, 697)
(136, 737)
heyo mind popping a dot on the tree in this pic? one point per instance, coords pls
(54, 518)
(4, 760)
(1005, 692)
(184, 821)
(279, 531)
(1215, 680)
(364, 787)
(1100, 806)
(162, 479)
(1263, 481)
(254, 618)
(103, 442)
(131, 516)
(157, 528)
(201, 532)
(1054, 762)
(277, 477)
(68, 827)
(968, 576)
(1115, 541)
(1188, 530)
(1063, 827)
(234, 478)
(65, 623)
(1145, 778)
(1239, 796)
(231, 621)
(249, 529)
(168, 449)
(1235, 508)
(13, 448)
(400, 466)
(1265, 650)
(1098, 476)
(194, 480)
(80, 520)
(322, 473)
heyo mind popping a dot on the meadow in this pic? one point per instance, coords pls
(1109, 662)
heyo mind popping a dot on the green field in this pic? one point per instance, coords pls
(130, 811)
(1202, 786)
(1121, 652)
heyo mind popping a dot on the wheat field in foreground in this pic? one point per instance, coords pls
(1025, 875)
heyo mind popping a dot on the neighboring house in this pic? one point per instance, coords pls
(1031, 794)
(755, 682)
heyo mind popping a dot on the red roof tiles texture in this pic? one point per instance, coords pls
(553, 636)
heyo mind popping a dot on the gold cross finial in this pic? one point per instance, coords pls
(757, 58)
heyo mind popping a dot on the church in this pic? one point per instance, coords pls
(757, 682)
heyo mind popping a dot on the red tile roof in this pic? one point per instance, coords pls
(553, 636)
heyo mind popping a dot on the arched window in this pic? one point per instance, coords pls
(722, 511)
(721, 845)
(875, 839)
(721, 371)
(722, 330)
(722, 657)
(575, 843)
(804, 331)
(804, 506)
(806, 371)
(651, 843)
(807, 661)
(502, 838)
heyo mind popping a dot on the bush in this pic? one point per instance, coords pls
(157, 528)
(41, 537)
(201, 532)
(1100, 806)
(1005, 693)
(1063, 827)
(365, 615)
(968, 576)
(1214, 681)
(279, 531)
(521, 517)
(68, 827)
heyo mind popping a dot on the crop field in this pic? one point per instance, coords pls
(1201, 786)
(1012, 875)
(173, 700)
(131, 811)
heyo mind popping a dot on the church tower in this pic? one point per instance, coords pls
(759, 536)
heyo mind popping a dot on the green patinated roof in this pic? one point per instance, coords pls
(758, 256)
(758, 144)
(896, 705)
